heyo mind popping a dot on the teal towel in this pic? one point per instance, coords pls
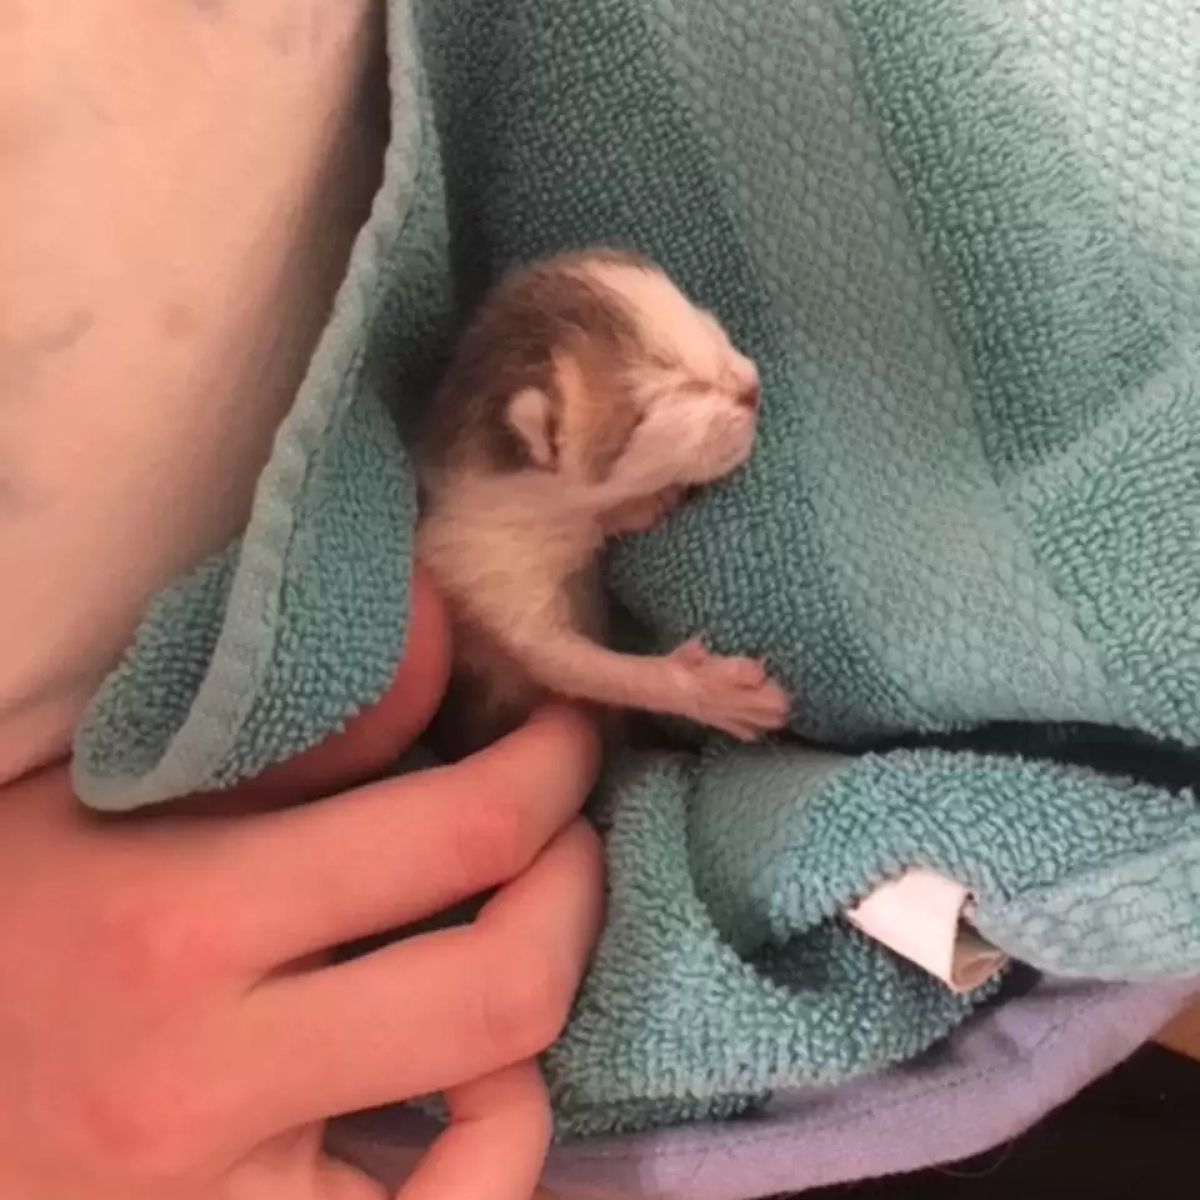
(962, 241)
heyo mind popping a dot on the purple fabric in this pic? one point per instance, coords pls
(999, 1074)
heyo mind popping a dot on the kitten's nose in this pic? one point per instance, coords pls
(748, 397)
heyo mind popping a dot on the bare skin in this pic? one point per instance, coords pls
(175, 1030)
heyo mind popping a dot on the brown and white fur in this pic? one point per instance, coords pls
(584, 399)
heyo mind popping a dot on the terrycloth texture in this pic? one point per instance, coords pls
(963, 243)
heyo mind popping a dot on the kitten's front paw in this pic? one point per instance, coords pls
(734, 695)
(642, 514)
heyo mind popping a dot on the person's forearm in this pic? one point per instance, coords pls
(180, 190)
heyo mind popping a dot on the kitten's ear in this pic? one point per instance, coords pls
(531, 417)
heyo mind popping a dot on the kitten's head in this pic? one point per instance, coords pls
(594, 373)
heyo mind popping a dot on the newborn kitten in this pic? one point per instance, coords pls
(583, 400)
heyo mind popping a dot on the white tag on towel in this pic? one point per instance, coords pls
(922, 916)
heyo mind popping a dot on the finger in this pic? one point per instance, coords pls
(334, 1180)
(434, 1011)
(495, 1145)
(390, 853)
(372, 740)
(295, 1165)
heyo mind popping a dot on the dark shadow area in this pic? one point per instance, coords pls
(1130, 1136)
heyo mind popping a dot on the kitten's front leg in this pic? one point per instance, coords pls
(735, 695)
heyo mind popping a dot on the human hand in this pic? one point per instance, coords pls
(171, 1026)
